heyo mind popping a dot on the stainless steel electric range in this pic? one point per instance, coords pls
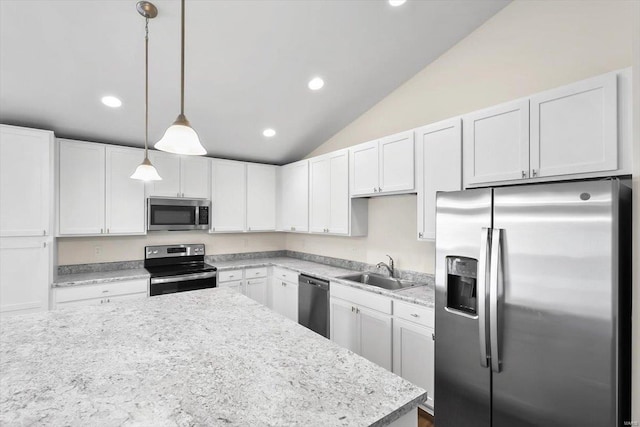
(178, 268)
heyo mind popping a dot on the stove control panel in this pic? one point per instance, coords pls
(169, 251)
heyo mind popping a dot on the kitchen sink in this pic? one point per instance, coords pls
(378, 280)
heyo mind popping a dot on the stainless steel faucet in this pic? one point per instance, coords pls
(389, 266)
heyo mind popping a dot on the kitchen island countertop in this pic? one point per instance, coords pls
(209, 357)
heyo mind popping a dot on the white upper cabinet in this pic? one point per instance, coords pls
(293, 197)
(125, 202)
(96, 193)
(26, 181)
(182, 176)
(228, 195)
(330, 208)
(439, 168)
(364, 168)
(81, 188)
(261, 197)
(581, 130)
(496, 143)
(168, 167)
(383, 167)
(574, 128)
(396, 163)
(194, 177)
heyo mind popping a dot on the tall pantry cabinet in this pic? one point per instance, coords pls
(26, 226)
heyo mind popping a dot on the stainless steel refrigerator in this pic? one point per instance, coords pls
(533, 305)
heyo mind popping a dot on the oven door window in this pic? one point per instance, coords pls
(173, 215)
(187, 285)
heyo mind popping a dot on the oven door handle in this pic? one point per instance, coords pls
(183, 278)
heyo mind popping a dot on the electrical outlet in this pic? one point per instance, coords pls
(97, 250)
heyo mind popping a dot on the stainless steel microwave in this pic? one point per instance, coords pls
(178, 214)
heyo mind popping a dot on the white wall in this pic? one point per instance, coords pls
(636, 216)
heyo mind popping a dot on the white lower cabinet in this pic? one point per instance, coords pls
(236, 285)
(251, 282)
(25, 274)
(414, 345)
(284, 293)
(101, 293)
(361, 321)
(256, 289)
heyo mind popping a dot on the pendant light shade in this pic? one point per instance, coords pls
(145, 171)
(180, 138)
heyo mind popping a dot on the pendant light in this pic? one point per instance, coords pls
(180, 138)
(145, 171)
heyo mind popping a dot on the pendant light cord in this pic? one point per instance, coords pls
(146, 86)
(182, 65)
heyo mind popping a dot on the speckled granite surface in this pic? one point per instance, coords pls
(211, 357)
(65, 280)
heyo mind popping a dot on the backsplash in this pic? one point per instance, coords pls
(212, 259)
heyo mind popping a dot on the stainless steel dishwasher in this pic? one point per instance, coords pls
(313, 304)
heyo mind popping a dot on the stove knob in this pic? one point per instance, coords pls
(155, 252)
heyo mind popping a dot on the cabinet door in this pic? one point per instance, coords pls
(228, 195)
(236, 286)
(496, 143)
(256, 289)
(343, 324)
(339, 201)
(396, 163)
(168, 167)
(25, 266)
(26, 178)
(82, 188)
(194, 177)
(364, 168)
(319, 194)
(375, 336)
(261, 197)
(439, 168)
(125, 202)
(413, 354)
(285, 299)
(574, 128)
(294, 196)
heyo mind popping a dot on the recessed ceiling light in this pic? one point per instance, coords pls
(316, 83)
(269, 133)
(111, 101)
(396, 3)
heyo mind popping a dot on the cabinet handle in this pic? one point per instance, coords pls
(178, 195)
(182, 194)
(105, 291)
(433, 337)
(379, 189)
(108, 299)
(353, 309)
(414, 315)
(44, 244)
(101, 301)
(101, 231)
(44, 232)
(107, 231)
(357, 310)
(534, 172)
(420, 235)
(524, 174)
(284, 284)
(213, 229)
(375, 190)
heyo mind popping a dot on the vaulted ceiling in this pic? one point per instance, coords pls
(248, 63)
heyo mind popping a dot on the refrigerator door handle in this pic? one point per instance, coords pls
(482, 295)
(494, 296)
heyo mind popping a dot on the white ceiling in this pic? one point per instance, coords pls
(247, 66)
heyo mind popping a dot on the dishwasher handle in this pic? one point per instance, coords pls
(308, 280)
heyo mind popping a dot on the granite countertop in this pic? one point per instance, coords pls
(209, 357)
(66, 280)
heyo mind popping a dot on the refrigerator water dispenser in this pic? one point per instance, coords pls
(461, 284)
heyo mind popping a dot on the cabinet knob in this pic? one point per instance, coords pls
(415, 315)
(375, 190)
(433, 337)
(534, 172)
(379, 189)
(524, 174)
(284, 284)
(420, 235)
(357, 310)
(44, 232)
(249, 228)
(101, 231)
(107, 231)
(353, 309)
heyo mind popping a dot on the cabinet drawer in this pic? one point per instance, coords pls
(100, 301)
(362, 298)
(101, 290)
(414, 313)
(229, 275)
(252, 273)
(286, 275)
